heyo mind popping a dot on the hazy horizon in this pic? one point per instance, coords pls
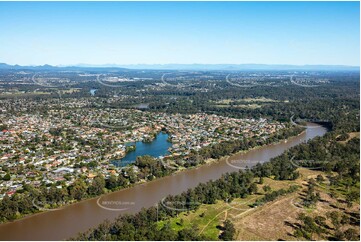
(165, 64)
(159, 33)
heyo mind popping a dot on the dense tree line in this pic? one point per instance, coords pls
(271, 196)
(229, 147)
(327, 154)
(312, 226)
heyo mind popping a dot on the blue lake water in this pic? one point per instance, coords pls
(92, 91)
(158, 147)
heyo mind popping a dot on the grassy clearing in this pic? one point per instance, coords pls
(271, 221)
(249, 106)
(248, 103)
(352, 135)
(71, 90)
(259, 99)
(248, 100)
(276, 220)
(209, 216)
(23, 94)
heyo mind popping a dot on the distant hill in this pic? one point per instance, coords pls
(236, 67)
(14, 67)
(4, 66)
(225, 67)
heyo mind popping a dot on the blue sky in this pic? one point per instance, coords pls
(63, 33)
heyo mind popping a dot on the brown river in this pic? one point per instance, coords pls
(70, 220)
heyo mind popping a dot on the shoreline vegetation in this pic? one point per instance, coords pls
(101, 182)
(211, 161)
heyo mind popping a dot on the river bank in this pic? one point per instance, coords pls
(211, 160)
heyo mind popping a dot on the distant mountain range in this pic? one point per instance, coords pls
(236, 67)
(225, 67)
(4, 66)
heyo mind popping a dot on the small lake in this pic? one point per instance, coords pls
(92, 91)
(158, 147)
